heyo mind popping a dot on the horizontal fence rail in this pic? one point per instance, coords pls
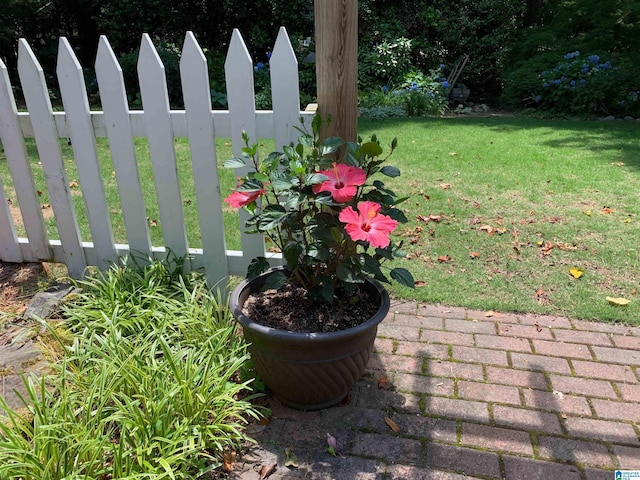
(120, 125)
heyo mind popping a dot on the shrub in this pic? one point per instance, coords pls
(148, 389)
(584, 84)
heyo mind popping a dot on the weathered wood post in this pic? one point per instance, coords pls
(336, 24)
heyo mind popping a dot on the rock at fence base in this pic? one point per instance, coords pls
(609, 118)
(481, 108)
(629, 118)
(46, 303)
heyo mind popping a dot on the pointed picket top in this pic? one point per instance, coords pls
(74, 98)
(12, 140)
(238, 69)
(157, 118)
(38, 102)
(197, 104)
(113, 97)
(285, 90)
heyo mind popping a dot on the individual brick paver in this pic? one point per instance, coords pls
(480, 355)
(504, 343)
(465, 460)
(520, 378)
(582, 386)
(423, 350)
(489, 393)
(628, 457)
(526, 419)
(474, 397)
(540, 363)
(587, 338)
(494, 438)
(517, 468)
(569, 450)
(561, 349)
(595, 369)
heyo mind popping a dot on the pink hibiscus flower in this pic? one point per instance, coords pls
(367, 224)
(240, 198)
(343, 182)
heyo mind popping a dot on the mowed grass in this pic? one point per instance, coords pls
(501, 209)
(516, 204)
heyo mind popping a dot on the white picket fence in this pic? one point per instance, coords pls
(198, 122)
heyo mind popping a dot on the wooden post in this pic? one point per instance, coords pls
(336, 23)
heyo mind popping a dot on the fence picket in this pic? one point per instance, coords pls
(13, 143)
(157, 118)
(285, 92)
(37, 98)
(197, 103)
(9, 248)
(118, 125)
(238, 69)
(76, 105)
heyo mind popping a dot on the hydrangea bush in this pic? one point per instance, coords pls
(584, 84)
(418, 94)
(331, 221)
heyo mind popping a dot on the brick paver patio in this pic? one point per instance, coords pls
(475, 397)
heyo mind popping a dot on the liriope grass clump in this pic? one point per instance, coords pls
(150, 387)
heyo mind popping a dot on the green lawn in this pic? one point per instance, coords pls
(515, 203)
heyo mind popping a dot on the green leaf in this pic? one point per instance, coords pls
(398, 215)
(235, 162)
(371, 149)
(291, 253)
(257, 266)
(403, 277)
(271, 217)
(323, 290)
(282, 181)
(315, 178)
(291, 153)
(275, 280)
(346, 274)
(394, 143)
(390, 171)
(316, 123)
(251, 185)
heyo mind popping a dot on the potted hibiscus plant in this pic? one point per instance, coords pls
(311, 323)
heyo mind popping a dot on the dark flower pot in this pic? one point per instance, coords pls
(308, 371)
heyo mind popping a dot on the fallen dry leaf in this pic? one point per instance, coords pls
(383, 381)
(73, 184)
(538, 327)
(444, 259)
(419, 283)
(618, 301)
(474, 254)
(445, 186)
(453, 154)
(576, 272)
(267, 470)
(392, 425)
(228, 459)
(291, 460)
(606, 210)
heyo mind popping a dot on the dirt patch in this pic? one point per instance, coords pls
(19, 282)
